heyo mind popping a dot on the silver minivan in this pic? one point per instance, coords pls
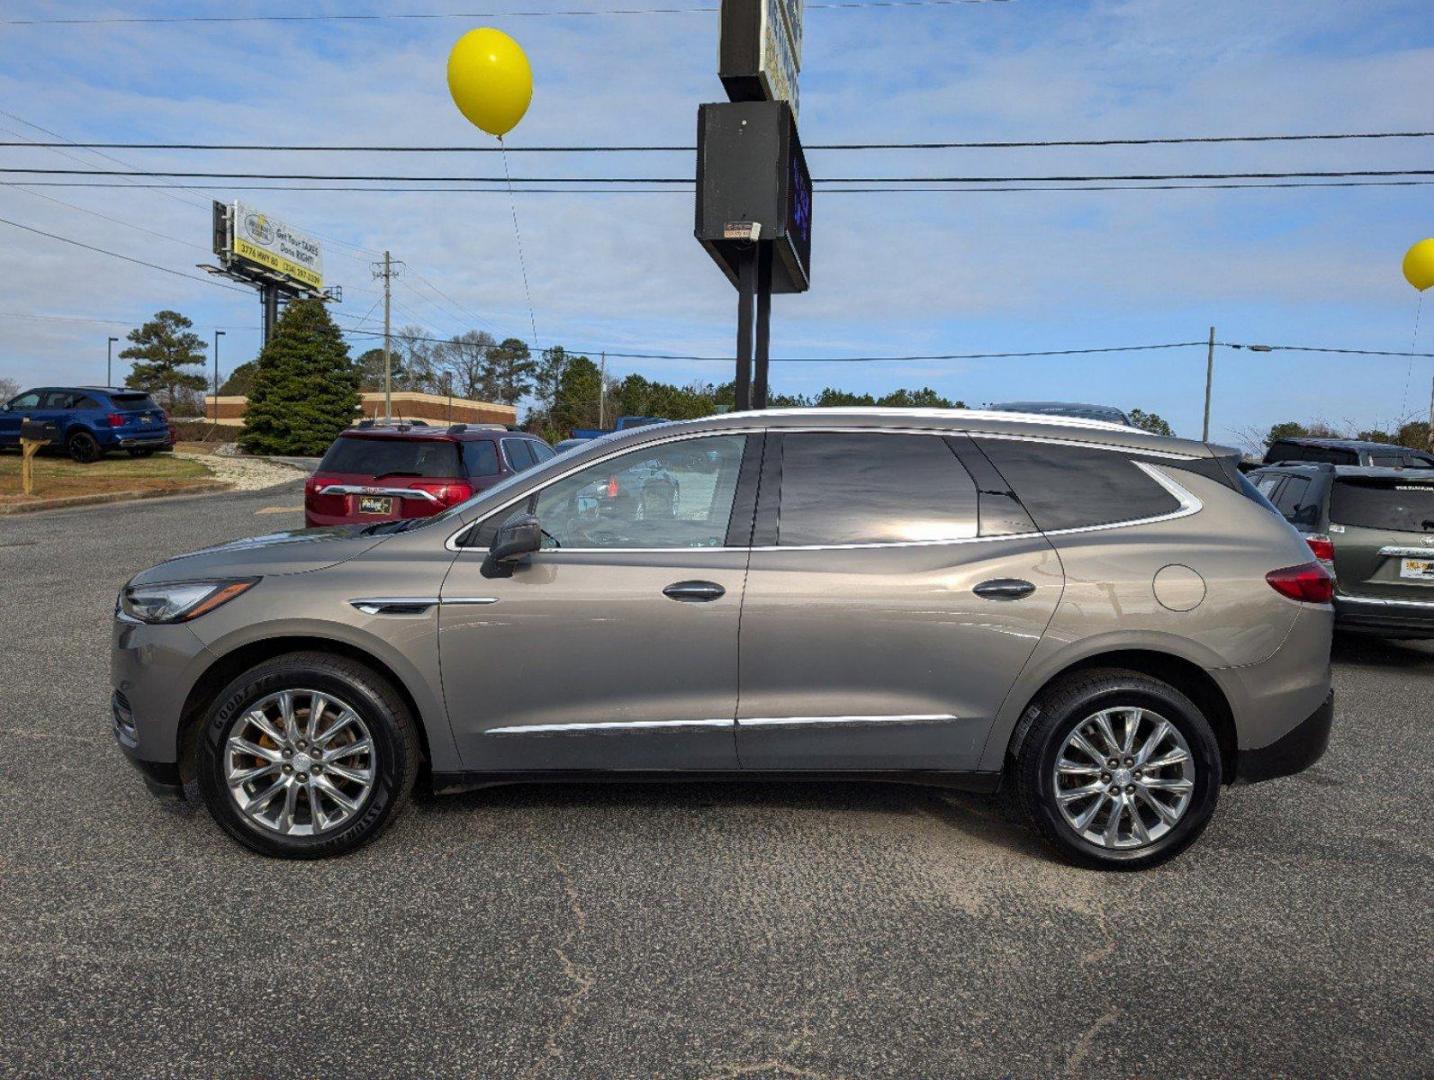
(1105, 625)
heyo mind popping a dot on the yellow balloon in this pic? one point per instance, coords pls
(1419, 264)
(490, 80)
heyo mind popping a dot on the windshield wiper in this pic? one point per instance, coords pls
(396, 472)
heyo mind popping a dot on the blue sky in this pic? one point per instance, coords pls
(915, 273)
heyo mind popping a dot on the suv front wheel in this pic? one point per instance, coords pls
(1118, 770)
(307, 755)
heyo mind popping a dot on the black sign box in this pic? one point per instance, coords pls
(38, 430)
(750, 169)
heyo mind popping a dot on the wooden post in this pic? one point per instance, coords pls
(28, 449)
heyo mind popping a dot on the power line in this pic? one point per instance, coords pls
(1322, 349)
(675, 190)
(117, 255)
(307, 148)
(687, 180)
(838, 5)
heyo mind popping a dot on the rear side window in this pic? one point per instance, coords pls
(481, 458)
(1075, 487)
(392, 458)
(860, 488)
(1382, 504)
(518, 454)
(133, 402)
(1295, 503)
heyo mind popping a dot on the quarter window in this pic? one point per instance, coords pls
(674, 495)
(519, 456)
(870, 488)
(1075, 487)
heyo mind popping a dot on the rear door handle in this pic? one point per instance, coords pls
(1004, 589)
(694, 592)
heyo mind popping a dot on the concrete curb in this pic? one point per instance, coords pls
(206, 487)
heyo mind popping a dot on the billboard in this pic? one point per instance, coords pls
(255, 238)
(759, 55)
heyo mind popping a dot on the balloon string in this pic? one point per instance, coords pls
(1409, 370)
(518, 236)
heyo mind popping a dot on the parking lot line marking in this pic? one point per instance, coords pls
(277, 510)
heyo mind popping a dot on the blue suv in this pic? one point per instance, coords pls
(89, 420)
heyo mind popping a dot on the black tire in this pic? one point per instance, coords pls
(378, 705)
(140, 453)
(83, 447)
(1048, 723)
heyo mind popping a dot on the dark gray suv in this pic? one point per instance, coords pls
(1107, 624)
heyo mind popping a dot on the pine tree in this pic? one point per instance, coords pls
(306, 388)
(161, 348)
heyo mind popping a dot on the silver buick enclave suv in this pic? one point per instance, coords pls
(1104, 624)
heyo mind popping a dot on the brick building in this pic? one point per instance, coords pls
(407, 405)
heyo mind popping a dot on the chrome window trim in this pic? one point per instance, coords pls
(608, 725)
(803, 721)
(385, 492)
(1189, 503)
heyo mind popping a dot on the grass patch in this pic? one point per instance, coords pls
(57, 477)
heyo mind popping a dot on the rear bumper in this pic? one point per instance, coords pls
(1390, 618)
(144, 442)
(1293, 752)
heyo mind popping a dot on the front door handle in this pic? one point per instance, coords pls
(1004, 589)
(694, 592)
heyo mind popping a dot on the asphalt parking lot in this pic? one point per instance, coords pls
(755, 930)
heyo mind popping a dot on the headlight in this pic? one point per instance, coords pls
(179, 601)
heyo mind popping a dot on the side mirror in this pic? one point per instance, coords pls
(517, 538)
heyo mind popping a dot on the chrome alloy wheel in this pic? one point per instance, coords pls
(299, 763)
(1124, 777)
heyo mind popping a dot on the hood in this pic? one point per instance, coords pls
(294, 552)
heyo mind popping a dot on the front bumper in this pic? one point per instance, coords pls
(152, 669)
(1389, 618)
(1293, 752)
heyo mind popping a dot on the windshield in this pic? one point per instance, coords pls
(1383, 504)
(430, 458)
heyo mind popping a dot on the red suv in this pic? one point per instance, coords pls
(373, 473)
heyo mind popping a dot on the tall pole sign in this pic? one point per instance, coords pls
(754, 193)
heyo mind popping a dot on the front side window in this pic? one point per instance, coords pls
(26, 401)
(871, 488)
(674, 495)
(1076, 487)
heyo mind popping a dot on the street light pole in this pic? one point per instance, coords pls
(1209, 380)
(217, 335)
(109, 360)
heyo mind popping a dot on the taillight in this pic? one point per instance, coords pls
(1309, 583)
(447, 494)
(1323, 548)
(612, 488)
(115, 419)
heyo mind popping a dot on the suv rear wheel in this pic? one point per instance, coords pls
(307, 755)
(83, 447)
(1117, 769)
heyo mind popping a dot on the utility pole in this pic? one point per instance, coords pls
(217, 335)
(109, 360)
(1431, 413)
(602, 392)
(1209, 380)
(388, 271)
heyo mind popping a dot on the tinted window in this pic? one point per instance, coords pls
(392, 458)
(1267, 484)
(1295, 502)
(518, 454)
(1258, 494)
(677, 495)
(1072, 487)
(134, 402)
(60, 399)
(541, 451)
(26, 401)
(481, 458)
(860, 488)
(86, 403)
(1383, 504)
